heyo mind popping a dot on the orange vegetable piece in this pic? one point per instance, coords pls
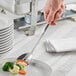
(22, 72)
(21, 61)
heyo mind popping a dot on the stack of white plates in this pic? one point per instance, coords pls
(6, 34)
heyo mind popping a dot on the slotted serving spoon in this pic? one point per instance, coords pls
(28, 56)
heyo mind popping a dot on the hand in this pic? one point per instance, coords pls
(53, 11)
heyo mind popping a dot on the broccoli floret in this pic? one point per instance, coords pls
(7, 66)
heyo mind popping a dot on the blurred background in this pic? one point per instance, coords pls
(10, 4)
(30, 12)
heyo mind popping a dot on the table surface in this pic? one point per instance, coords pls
(24, 44)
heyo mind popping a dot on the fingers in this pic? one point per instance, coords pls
(62, 6)
(58, 15)
(53, 13)
(50, 16)
(53, 23)
(60, 11)
(46, 12)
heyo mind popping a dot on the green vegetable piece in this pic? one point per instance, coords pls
(19, 66)
(7, 66)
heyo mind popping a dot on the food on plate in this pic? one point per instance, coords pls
(14, 70)
(22, 64)
(7, 66)
(22, 61)
(17, 67)
(22, 72)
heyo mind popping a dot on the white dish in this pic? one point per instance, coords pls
(7, 29)
(5, 35)
(4, 51)
(5, 38)
(6, 41)
(35, 68)
(6, 45)
(11, 30)
(5, 21)
(3, 26)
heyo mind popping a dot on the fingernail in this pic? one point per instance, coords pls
(53, 23)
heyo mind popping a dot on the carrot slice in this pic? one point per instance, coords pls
(21, 61)
(22, 72)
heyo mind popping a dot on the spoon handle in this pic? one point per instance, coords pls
(40, 38)
(29, 56)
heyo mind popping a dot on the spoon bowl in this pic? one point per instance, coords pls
(23, 56)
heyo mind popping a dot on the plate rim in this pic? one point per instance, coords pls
(50, 69)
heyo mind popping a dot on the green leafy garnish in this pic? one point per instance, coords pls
(7, 66)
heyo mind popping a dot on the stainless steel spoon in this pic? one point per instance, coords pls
(28, 56)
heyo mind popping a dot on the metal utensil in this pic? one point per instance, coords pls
(28, 56)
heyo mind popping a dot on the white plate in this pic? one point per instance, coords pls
(3, 27)
(5, 21)
(11, 30)
(7, 29)
(35, 68)
(6, 35)
(6, 44)
(5, 38)
(6, 41)
(4, 51)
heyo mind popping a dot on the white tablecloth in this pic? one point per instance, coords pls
(56, 61)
